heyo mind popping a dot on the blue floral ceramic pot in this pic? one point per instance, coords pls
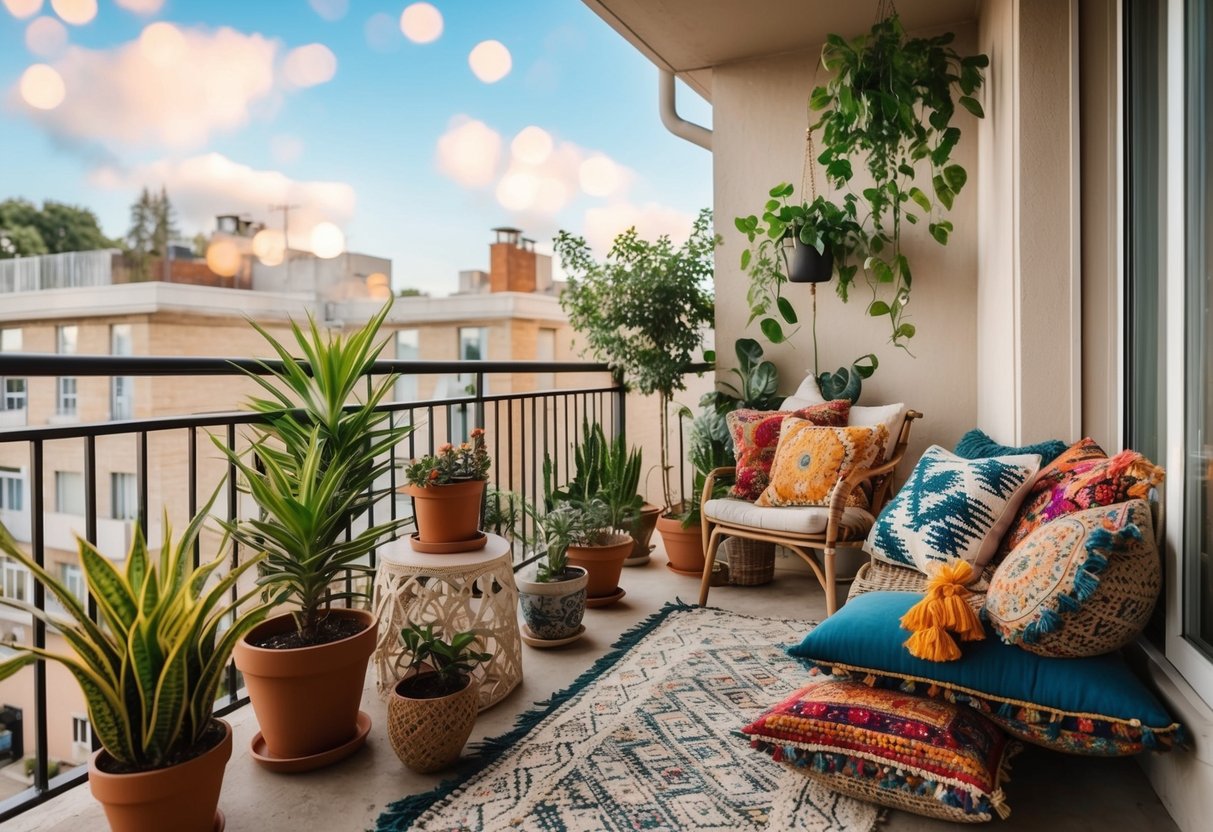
(553, 609)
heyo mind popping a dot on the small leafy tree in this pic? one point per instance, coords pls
(643, 309)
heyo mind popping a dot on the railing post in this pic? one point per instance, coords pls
(478, 413)
(620, 414)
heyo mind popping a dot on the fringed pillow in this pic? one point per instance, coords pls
(755, 436)
(920, 755)
(1081, 585)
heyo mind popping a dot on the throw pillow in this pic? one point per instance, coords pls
(808, 392)
(1082, 585)
(1081, 481)
(1094, 706)
(952, 508)
(977, 445)
(809, 461)
(924, 756)
(756, 434)
(890, 415)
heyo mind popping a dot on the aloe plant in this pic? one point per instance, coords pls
(312, 468)
(151, 667)
(602, 469)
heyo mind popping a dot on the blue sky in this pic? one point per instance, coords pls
(396, 148)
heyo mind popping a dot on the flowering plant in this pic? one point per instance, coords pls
(467, 461)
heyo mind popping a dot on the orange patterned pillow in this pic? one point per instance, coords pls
(756, 433)
(1059, 469)
(810, 461)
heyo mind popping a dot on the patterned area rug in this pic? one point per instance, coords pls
(648, 739)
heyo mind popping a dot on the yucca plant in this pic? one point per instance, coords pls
(151, 667)
(313, 465)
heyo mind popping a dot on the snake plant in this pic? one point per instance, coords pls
(150, 668)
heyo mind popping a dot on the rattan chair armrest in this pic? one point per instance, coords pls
(710, 481)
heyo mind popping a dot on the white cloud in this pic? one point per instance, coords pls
(202, 187)
(651, 220)
(469, 152)
(308, 66)
(286, 149)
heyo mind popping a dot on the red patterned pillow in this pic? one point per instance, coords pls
(1084, 480)
(756, 435)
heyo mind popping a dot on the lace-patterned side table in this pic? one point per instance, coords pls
(469, 591)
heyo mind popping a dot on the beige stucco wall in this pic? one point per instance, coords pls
(760, 117)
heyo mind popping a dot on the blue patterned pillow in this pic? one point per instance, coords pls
(952, 508)
(976, 444)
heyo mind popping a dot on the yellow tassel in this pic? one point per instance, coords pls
(943, 608)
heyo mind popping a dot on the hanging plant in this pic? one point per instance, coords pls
(891, 102)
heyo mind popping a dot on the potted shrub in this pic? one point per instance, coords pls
(448, 490)
(644, 310)
(710, 448)
(150, 670)
(597, 545)
(553, 600)
(313, 469)
(433, 708)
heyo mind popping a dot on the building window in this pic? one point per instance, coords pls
(69, 492)
(545, 350)
(82, 732)
(124, 499)
(12, 486)
(72, 578)
(12, 390)
(473, 346)
(18, 582)
(65, 399)
(408, 348)
(122, 388)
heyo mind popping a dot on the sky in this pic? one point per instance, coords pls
(413, 128)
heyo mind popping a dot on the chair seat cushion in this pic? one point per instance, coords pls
(793, 519)
(1092, 705)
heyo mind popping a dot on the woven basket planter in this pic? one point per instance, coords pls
(429, 734)
(751, 562)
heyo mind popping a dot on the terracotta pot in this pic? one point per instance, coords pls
(429, 734)
(183, 797)
(684, 547)
(447, 513)
(603, 563)
(642, 531)
(306, 699)
(553, 609)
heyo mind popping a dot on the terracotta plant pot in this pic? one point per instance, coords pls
(429, 734)
(447, 513)
(306, 699)
(553, 609)
(603, 563)
(183, 797)
(642, 533)
(684, 547)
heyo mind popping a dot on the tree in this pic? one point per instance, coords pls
(139, 237)
(164, 224)
(20, 241)
(55, 228)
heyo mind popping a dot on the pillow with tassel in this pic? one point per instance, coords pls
(1082, 585)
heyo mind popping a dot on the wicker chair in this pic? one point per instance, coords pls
(802, 530)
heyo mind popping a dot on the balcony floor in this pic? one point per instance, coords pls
(1049, 791)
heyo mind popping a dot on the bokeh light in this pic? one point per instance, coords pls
(378, 286)
(330, 10)
(269, 246)
(162, 44)
(75, 12)
(532, 145)
(381, 32)
(328, 241)
(307, 66)
(490, 61)
(553, 195)
(421, 23)
(42, 87)
(22, 9)
(223, 258)
(599, 176)
(144, 7)
(46, 37)
(517, 191)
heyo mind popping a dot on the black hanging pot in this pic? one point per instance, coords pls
(808, 265)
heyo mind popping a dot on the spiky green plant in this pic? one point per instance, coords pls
(150, 669)
(313, 466)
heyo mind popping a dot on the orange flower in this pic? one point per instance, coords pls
(445, 448)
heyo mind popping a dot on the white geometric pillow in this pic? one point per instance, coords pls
(952, 508)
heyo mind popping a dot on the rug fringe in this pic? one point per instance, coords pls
(401, 814)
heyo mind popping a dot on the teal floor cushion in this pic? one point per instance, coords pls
(1089, 705)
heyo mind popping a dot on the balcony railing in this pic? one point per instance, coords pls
(522, 428)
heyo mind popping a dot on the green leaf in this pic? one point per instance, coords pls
(819, 99)
(882, 272)
(745, 259)
(939, 233)
(772, 330)
(942, 192)
(920, 198)
(785, 310)
(956, 177)
(877, 308)
(741, 224)
(905, 331)
(972, 105)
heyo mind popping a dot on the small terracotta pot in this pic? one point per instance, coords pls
(447, 513)
(642, 530)
(182, 797)
(306, 699)
(603, 563)
(429, 734)
(553, 610)
(684, 547)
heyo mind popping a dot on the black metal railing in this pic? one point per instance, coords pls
(522, 428)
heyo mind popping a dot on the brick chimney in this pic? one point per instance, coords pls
(511, 262)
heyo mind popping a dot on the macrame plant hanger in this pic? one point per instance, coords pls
(808, 186)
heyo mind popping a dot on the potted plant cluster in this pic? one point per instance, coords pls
(433, 708)
(448, 490)
(644, 311)
(710, 447)
(314, 468)
(150, 669)
(597, 544)
(553, 598)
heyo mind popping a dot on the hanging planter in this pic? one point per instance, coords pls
(808, 265)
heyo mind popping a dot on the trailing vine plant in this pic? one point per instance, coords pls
(890, 102)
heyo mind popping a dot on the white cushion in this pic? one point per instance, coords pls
(889, 415)
(795, 519)
(807, 393)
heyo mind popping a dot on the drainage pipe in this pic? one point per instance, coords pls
(680, 127)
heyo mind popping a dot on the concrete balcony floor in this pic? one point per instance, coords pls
(1048, 791)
